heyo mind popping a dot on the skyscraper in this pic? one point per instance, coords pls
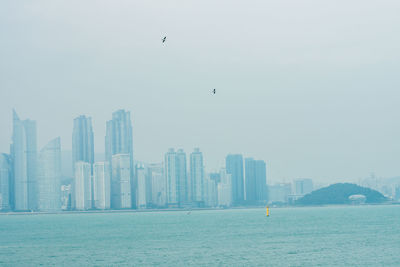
(82, 189)
(101, 185)
(256, 181)
(225, 189)
(24, 157)
(197, 175)
(119, 140)
(171, 178)
(181, 172)
(82, 141)
(176, 177)
(141, 187)
(210, 190)
(49, 176)
(5, 174)
(234, 166)
(121, 182)
(158, 184)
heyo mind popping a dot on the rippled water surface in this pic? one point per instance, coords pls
(347, 236)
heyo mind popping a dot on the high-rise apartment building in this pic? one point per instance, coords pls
(183, 183)
(24, 158)
(5, 175)
(141, 187)
(256, 181)
(197, 176)
(158, 182)
(121, 182)
(171, 178)
(49, 176)
(234, 166)
(176, 177)
(82, 186)
(210, 190)
(225, 189)
(101, 185)
(119, 141)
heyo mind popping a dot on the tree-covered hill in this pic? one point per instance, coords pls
(339, 194)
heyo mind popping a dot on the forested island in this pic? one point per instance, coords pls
(339, 194)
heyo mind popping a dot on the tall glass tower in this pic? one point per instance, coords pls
(82, 141)
(256, 181)
(49, 176)
(234, 166)
(24, 157)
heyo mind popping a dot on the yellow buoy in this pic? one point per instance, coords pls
(267, 210)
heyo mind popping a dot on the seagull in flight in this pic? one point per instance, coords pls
(164, 39)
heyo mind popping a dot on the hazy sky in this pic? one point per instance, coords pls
(312, 87)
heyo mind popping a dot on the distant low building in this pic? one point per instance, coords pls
(303, 186)
(279, 193)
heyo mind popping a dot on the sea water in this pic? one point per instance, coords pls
(318, 236)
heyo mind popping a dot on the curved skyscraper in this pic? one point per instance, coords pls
(23, 154)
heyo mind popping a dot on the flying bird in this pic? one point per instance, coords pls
(163, 39)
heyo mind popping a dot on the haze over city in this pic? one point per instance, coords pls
(310, 88)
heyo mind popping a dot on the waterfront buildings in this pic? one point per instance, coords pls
(5, 175)
(49, 176)
(121, 182)
(82, 189)
(234, 166)
(119, 141)
(101, 185)
(256, 181)
(24, 158)
(197, 176)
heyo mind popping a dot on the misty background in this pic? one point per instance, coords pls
(311, 87)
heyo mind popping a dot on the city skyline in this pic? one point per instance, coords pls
(32, 180)
(307, 103)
